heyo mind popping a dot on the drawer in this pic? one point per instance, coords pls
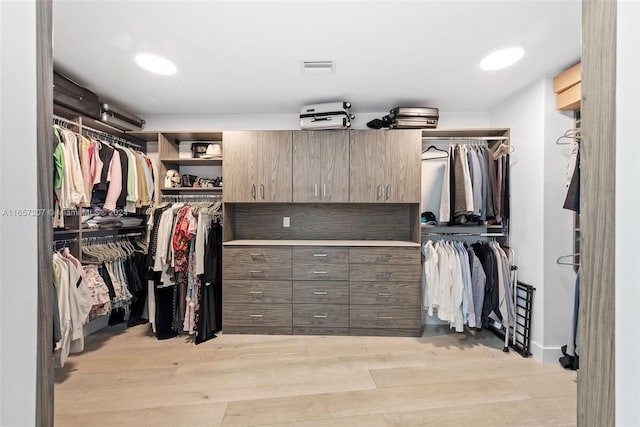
(389, 293)
(257, 330)
(256, 291)
(384, 256)
(385, 273)
(320, 263)
(315, 292)
(382, 316)
(257, 262)
(256, 315)
(320, 331)
(323, 315)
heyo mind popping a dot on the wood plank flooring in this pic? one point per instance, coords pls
(126, 377)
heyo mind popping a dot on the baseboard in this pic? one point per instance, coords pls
(545, 355)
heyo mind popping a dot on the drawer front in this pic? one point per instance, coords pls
(256, 291)
(384, 256)
(320, 263)
(387, 293)
(316, 292)
(255, 262)
(257, 315)
(384, 273)
(382, 316)
(320, 331)
(257, 330)
(322, 315)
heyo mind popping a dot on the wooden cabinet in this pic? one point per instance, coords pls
(384, 291)
(257, 290)
(385, 166)
(320, 166)
(257, 166)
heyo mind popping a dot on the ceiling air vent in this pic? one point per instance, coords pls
(318, 67)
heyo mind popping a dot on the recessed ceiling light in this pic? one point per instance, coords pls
(502, 58)
(155, 64)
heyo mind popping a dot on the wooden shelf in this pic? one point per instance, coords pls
(61, 232)
(99, 232)
(359, 243)
(179, 136)
(464, 133)
(194, 162)
(192, 189)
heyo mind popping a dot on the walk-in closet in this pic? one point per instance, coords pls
(317, 213)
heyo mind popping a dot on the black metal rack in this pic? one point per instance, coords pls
(520, 334)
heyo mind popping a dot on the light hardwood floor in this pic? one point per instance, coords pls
(126, 377)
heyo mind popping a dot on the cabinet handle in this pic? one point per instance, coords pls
(319, 254)
(253, 191)
(385, 317)
(319, 272)
(320, 292)
(315, 190)
(256, 316)
(256, 255)
(378, 191)
(384, 294)
(387, 192)
(255, 271)
(256, 292)
(324, 190)
(262, 191)
(320, 316)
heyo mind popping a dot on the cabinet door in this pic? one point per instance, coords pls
(240, 167)
(275, 169)
(368, 151)
(335, 166)
(403, 167)
(321, 166)
(307, 165)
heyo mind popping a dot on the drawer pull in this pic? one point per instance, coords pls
(385, 317)
(320, 316)
(384, 294)
(256, 316)
(257, 255)
(319, 272)
(255, 271)
(256, 292)
(320, 255)
(320, 292)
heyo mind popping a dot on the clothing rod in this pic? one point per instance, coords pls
(464, 234)
(112, 237)
(464, 138)
(192, 196)
(96, 131)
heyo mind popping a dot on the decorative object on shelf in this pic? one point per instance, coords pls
(208, 182)
(212, 151)
(172, 179)
(198, 150)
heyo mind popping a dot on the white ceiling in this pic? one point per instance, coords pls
(244, 57)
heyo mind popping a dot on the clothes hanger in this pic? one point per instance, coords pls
(446, 153)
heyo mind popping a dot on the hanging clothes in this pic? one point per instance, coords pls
(185, 270)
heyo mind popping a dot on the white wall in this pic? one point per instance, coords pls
(540, 229)
(559, 280)
(18, 189)
(449, 120)
(524, 114)
(627, 381)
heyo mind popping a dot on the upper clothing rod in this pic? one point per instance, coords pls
(99, 132)
(465, 138)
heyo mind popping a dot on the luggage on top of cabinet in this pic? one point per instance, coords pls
(70, 94)
(328, 115)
